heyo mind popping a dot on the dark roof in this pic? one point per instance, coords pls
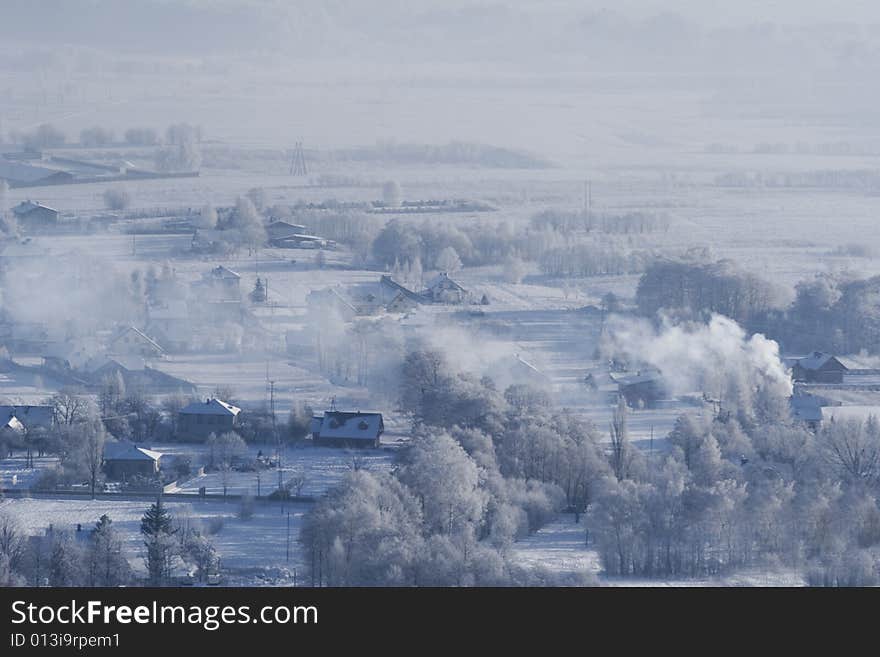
(389, 282)
(348, 425)
(39, 416)
(122, 451)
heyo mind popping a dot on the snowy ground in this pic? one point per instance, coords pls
(322, 467)
(248, 549)
(559, 546)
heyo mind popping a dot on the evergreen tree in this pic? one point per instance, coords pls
(156, 526)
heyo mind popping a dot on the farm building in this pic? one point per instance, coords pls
(199, 420)
(34, 216)
(818, 367)
(300, 241)
(279, 230)
(124, 460)
(130, 341)
(443, 289)
(27, 175)
(642, 388)
(347, 429)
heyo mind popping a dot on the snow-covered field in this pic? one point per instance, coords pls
(248, 549)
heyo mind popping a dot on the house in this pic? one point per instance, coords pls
(123, 460)
(30, 416)
(220, 284)
(130, 341)
(818, 367)
(347, 429)
(199, 420)
(12, 432)
(34, 216)
(641, 388)
(27, 175)
(443, 289)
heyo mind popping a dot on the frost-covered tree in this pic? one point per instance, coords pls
(448, 260)
(106, 562)
(446, 481)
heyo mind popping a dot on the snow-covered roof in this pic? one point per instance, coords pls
(122, 451)
(442, 279)
(633, 378)
(210, 407)
(815, 361)
(349, 425)
(29, 206)
(13, 424)
(140, 334)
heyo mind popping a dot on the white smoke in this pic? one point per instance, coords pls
(717, 358)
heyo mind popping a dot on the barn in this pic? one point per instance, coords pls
(26, 175)
(818, 367)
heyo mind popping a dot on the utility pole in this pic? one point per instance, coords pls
(287, 558)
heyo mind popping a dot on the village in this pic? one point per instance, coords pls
(277, 315)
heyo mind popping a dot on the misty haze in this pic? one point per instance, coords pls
(439, 293)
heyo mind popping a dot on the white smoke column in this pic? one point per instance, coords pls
(717, 358)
